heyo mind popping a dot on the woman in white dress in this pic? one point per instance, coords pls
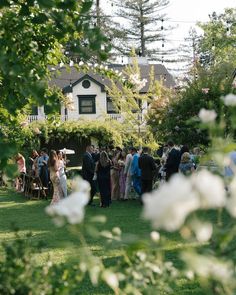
(62, 174)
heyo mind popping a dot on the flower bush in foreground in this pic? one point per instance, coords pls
(71, 209)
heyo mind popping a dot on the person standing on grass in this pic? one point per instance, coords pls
(122, 177)
(42, 165)
(62, 174)
(103, 168)
(53, 164)
(88, 170)
(135, 171)
(172, 161)
(127, 174)
(147, 166)
(19, 183)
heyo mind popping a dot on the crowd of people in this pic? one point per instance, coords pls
(114, 173)
(47, 168)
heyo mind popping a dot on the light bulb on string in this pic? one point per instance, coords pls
(162, 27)
(213, 44)
(162, 45)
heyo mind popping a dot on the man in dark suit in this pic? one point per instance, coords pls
(148, 167)
(172, 161)
(88, 168)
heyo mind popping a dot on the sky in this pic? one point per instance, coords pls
(185, 13)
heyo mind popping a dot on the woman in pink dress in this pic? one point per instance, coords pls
(54, 167)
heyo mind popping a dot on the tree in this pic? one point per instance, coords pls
(33, 35)
(132, 103)
(217, 45)
(142, 26)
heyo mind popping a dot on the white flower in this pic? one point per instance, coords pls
(208, 266)
(230, 99)
(203, 231)
(231, 201)
(139, 84)
(168, 206)
(205, 90)
(111, 279)
(155, 236)
(61, 64)
(81, 63)
(210, 188)
(80, 185)
(71, 63)
(71, 208)
(207, 116)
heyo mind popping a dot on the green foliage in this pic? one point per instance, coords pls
(64, 131)
(179, 119)
(217, 45)
(33, 35)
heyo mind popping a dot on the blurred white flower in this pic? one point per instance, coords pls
(203, 231)
(71, 63)
(207, 116)
(205, 90)
(111, 279)
(81, 63)
(208, 266)
(168, 206)
(139, 84)
(116, 231)
(71, 208)
(210, 189)
(155, 236)
(230, 99)
(61, 64)
(231, 201)
(80, 185)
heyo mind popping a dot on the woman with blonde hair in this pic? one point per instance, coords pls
(103, 168)
(53, 164)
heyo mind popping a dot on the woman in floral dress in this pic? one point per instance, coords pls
(53, 164)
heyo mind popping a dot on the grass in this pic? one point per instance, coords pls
(29, 216)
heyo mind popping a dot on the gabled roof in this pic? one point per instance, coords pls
(63, 78)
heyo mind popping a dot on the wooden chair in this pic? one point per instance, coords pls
(35, 188)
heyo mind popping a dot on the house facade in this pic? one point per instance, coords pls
(88, 96)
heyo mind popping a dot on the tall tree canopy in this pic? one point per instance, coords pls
(142, 26)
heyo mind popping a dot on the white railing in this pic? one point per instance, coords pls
(33, 118)
(110, 117)
(116, 117)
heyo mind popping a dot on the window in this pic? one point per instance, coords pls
(111, 109)
(87, 104)
(86, 84)
(34, 111)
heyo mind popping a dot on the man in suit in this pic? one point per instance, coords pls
(88, 169)
(172, 161)
(148, 167)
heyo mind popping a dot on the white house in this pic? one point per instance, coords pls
(88, 92)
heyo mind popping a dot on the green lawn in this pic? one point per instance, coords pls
(29, 216)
